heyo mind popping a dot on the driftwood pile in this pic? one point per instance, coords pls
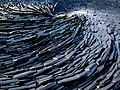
(43, 51)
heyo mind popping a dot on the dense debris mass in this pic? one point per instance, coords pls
(43, 51)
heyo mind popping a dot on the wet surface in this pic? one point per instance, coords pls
(60, 52)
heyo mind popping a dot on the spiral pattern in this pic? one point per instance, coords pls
(43, 51)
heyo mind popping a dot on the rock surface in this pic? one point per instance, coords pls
(43, 51)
